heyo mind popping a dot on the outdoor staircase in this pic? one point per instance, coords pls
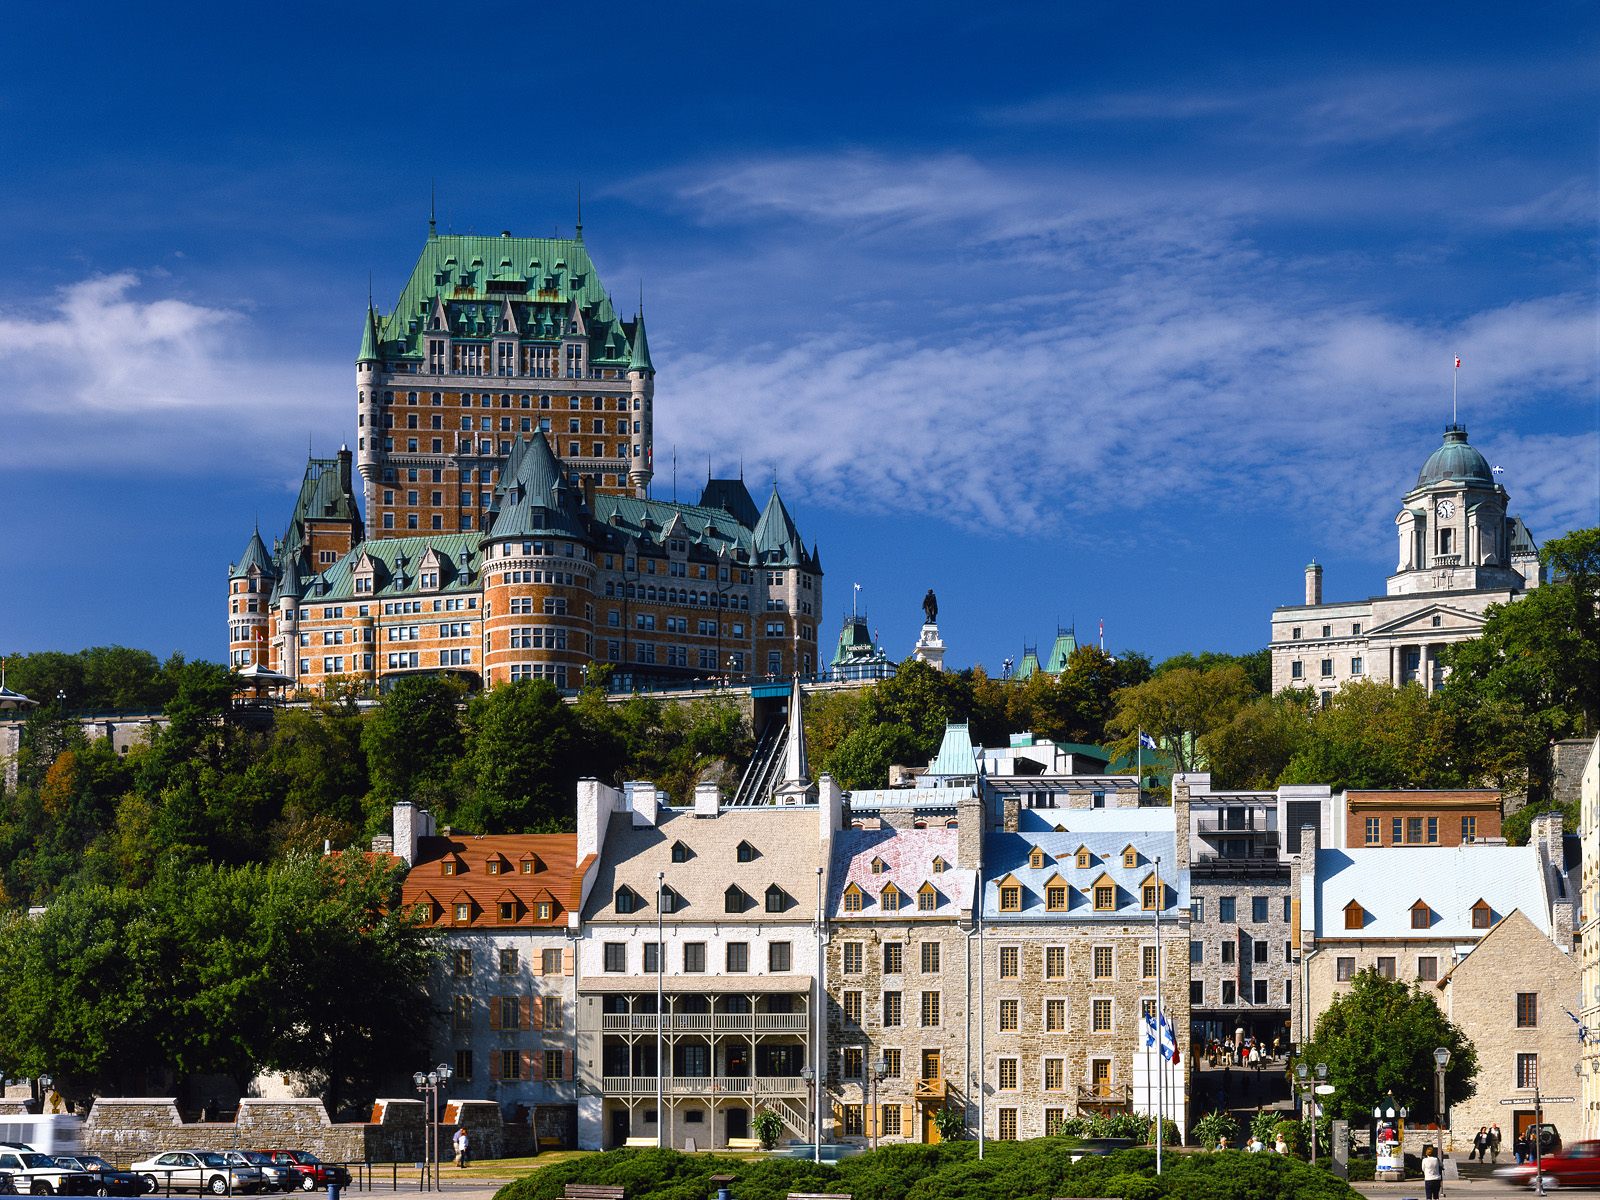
(761, 773)
(796, 1118)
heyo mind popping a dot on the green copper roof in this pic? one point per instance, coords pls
(396, 568)
(1029, 665)
(639, 358)
(856, 646)
(255, 557)
(1066, 643)
(369, 338)
(537, 500)
(777, 540)
(1455, 462)
(956, 756)
(474, 278)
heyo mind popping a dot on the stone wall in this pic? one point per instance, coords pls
(124, 1129)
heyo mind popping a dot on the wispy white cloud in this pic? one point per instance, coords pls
(1063, 353)
(110, 373)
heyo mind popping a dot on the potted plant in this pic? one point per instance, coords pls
(768, 1128)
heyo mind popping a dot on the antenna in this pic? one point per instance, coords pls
(674, 474)
(579, 231)
(433, 209)
(1454, 375)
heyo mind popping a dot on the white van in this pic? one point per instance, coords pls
(59, 1133)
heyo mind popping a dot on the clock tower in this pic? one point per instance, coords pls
(1454, 535)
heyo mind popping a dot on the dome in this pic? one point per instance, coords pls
(1455, 462)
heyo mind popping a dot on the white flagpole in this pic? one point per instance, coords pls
(1161, 1050)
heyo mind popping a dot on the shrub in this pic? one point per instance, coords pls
(768, 1126)
(1263, 1123)
(1213, 1127)
(1293, 1133)
(951, 1124)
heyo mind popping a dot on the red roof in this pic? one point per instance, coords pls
(522, 870)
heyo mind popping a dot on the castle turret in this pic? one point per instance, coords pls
(369, 432)
(642, 383)
(1314, 582)
(250, 583)
(538, 576)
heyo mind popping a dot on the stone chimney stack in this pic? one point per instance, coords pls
(969, 832)
(1314, 582)
(407, 829)
(1180, 820)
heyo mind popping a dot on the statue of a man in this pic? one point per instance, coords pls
(930, 608)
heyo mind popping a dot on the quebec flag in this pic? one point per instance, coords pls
(1146, 741)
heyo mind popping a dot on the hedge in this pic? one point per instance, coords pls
(1032, 1170)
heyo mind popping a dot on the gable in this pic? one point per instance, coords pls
(1421, 619)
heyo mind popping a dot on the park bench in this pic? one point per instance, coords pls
(593, 1191)
(640, 1143)
(744, 1143)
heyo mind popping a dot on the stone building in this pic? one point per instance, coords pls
(1069, 963)
(1413, 912)
(506, 909)
(1460, 551)
(1589, 936)
(1511, 995)
(736, 895)
(503, 541)
(899, 969)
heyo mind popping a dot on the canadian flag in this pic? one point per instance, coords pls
(1458, 362)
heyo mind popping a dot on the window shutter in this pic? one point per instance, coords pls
(871, 1122)
(494, 1012)
(566, 960)
(908, 1119)
(538, 1012)
(530, 1065)
(524, 1013)
(494, 1064)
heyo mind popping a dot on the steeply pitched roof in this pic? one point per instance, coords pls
(732, 496)
(396, 562)
(255, 557)
(907, 856)
(1066, 642)
(549, 876)
(956, 757)
(548, 282)
(639, 355)
(777, 540)
(1007, 854)
(1386, 881)
(537, 500)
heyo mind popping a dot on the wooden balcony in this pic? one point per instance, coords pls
(706, 1023)
(1108, 1098)
(711, 1086)
(932, 1091)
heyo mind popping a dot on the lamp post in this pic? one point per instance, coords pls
(1309, 1111)
(45, 1083)
(813, 1093)
(820, 1055)
(880, 1070)
(431, 1084)
(1441, 1060)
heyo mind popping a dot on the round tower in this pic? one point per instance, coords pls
(641, 396)
(538, 578)
(250, 583)
(369, 439)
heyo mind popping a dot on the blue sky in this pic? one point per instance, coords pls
(1073, 312)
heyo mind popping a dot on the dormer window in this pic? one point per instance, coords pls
(777, 899)
(1482, 915)
(1084, 858)
(1150, 897)
(939, 866)
(1010, 897)
(526, 866)
(1130, 857)
(879, 866)
(447, 867)
(463, 912)
(1354, 916)
(1036, 858)
(671, 902)
(1056, 895)
(852, 899)
(735, 900)
(1421, 916)
(680, 852)
(544, 910)
(1105, 894)
(628, 900)
(493, 866)
(927, 898)
(746, 852)
(889, 899)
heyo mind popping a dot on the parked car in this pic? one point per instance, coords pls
(197, 1171)
(41, 1175)
(108, 1180)
(285, 1177)
(1578, 1165)
(314, 1173)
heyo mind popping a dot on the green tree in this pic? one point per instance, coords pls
(414, 740)
(863, 759)
(1176, 707)
(522, 760)
(1371, 735)
(1257, 665)
(316, 771)
(1252, 749)
(1379, 1037)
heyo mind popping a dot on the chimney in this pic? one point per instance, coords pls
(1010, 812)
(588, 493)
(707, 796)
(969, 832)
(406, 831)
(642, 799)
(1180, 820)
(345, 481)
(1314, 582)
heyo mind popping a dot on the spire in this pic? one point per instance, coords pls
(537, 498)
(578, 233)
(795, 787)
(371, 339)
(639, 360)
(433, 224)
(255, 555)
(776, 537)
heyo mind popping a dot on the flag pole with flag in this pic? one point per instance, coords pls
(1161, 1049)
(1453, 377)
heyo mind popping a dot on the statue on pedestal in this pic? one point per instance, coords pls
(930, 608)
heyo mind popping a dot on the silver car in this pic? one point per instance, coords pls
(198, 1171)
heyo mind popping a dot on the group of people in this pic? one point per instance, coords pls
(1486, 1145)
(1243, 1050)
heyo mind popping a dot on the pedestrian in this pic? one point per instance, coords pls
(1494, 1143)
(1281, 1146)
(1222, 1142)
(461, 1146)
(1432, 1173)
(1277, 1046)
(1480, 1145)
(1519, 1147)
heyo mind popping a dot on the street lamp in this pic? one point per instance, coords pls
(1441, 1060)
(815, 1095)
(880, 1071)
(661, 1113)
(430, 1084)
(44, 1090)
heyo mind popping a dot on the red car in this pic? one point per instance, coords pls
(1577, 1165)
(314, 1173)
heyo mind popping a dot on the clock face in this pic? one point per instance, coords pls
(1447, 509)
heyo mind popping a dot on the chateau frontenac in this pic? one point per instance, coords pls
(505, 528)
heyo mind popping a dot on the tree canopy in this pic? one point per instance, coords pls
(1379, 1037)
